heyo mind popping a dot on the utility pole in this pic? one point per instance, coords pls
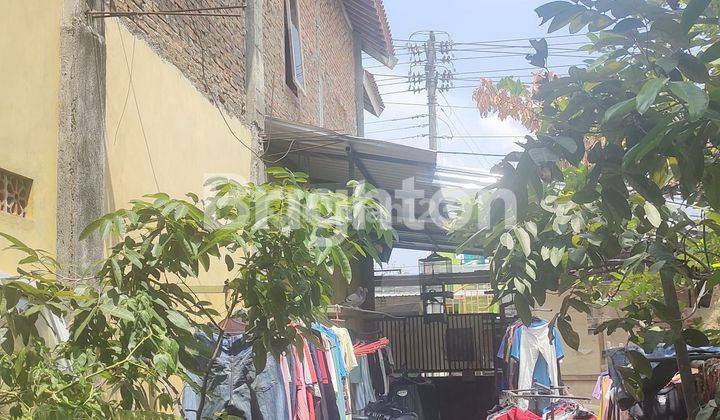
(431, 86)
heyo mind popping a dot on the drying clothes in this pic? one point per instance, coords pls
(541, 372)
(360, 385)
(236, 388)
(338, 364)
(514, 413)
(534, 343)
(350, 361)
(302, 410)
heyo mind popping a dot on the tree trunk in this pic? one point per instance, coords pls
(683, 360)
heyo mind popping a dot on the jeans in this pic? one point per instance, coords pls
(235, 388)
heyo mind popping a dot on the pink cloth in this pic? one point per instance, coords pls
(285, 371)
(302, 411)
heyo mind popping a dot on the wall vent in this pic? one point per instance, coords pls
(14, 193)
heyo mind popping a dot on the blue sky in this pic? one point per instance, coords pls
(465, 21)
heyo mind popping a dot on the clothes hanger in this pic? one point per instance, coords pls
(337, 320)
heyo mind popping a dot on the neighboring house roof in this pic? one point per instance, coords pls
(373, 101)
(370, 21)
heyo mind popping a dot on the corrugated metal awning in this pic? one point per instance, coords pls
(370, 22)
(332, 159)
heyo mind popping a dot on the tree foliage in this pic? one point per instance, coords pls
(133, 318)
(623, 141)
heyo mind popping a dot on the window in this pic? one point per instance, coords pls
(294, 75)
(14, 193)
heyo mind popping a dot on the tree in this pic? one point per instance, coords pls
(621, 140)
(133, 319)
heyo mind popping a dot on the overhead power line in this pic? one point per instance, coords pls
(487, 71)
(503, 40)
(425, 105)
(485, 136)
(398, 119)
(471, 153)
(397, 129)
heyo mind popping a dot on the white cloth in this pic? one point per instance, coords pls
(534, 342)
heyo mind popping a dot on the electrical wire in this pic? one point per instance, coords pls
(418, 136)
(484, 136)
(470, 153)
(398, 119)
(501, 40)
(425, 105)
(137, 109)
(398, 129)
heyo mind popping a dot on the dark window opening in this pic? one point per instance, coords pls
(294, 74)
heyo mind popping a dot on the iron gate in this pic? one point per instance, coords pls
(466, 342)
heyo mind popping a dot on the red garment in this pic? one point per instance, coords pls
(312, 381)
(516, 413)
(320, 354)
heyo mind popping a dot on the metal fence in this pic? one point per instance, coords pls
(466, 342)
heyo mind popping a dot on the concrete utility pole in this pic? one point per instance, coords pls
(431, 86)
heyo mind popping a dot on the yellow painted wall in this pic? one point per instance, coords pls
(29, 89)
(162, 122)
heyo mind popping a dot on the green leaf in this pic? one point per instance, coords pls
(696, 99)
(652, 214)
(259, 355)
(648, 93)
(117, 312)
(179, 320)
(711, 54)
(92, 227)
(522, 306)
(507, 241)
(651, 140)
(693, 68)
(340, 259)
(620, 109)
(711, 184)
(571, 337)
(692, 12)
(640, 363)
(524, 240)
(229, 263)
(695, 338)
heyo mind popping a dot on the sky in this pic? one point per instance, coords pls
(464, 21)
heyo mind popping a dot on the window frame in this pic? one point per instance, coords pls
(295, 81)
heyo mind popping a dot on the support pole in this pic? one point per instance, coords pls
(431, 86)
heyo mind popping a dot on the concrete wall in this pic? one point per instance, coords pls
(29, 82)
(160, 127)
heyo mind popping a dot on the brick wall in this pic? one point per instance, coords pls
(210, 51)
(328, 98)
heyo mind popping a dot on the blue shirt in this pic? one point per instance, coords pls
(540, 374)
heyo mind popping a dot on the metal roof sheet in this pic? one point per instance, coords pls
(369, 20)
(329, 158)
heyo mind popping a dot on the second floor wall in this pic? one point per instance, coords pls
(211, 52)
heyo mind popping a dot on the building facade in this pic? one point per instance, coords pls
(108, 101)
